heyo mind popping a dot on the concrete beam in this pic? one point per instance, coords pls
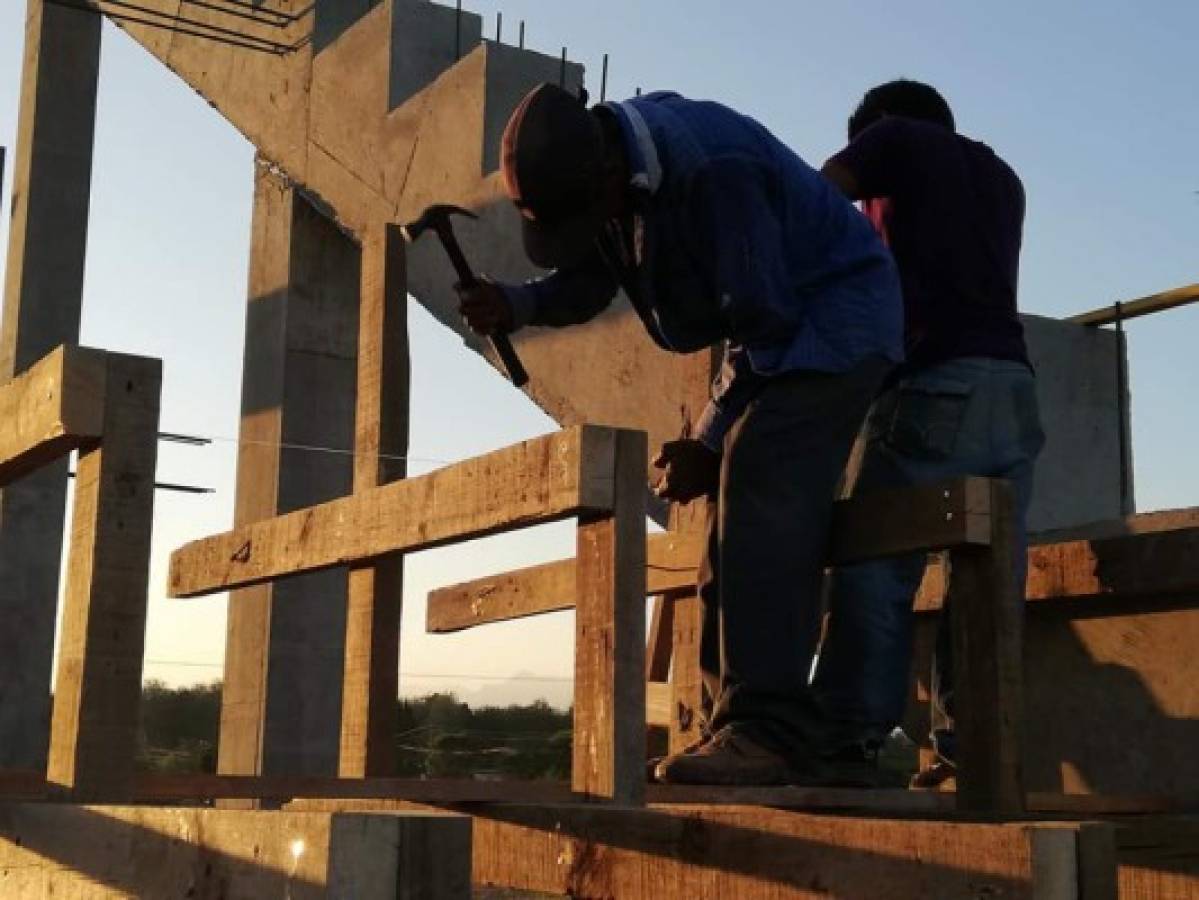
(105, 851)
(43, 292)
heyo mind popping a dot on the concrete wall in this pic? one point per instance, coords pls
(1079, 474)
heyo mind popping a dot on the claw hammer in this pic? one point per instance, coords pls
(437, 218)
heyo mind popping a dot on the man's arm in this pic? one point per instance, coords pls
(565, 297)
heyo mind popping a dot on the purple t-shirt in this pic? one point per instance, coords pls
(952, 213)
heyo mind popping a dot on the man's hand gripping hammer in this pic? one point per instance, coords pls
(437, 218)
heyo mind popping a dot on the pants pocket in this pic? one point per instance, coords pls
(927, 417)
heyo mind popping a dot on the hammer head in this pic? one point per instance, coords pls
(436, 217)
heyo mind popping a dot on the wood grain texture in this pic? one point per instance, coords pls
(987, 627)
(50, 409)
(686, 679)
(375, 592)
(875, 525)
(52, 850)
(608, 757)
(94, 726)
(541, 480)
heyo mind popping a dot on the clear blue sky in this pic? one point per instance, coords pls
(1093, 103)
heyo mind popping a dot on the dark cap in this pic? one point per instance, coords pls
(552, 158)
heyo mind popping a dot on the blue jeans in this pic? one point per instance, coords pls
(972, 416)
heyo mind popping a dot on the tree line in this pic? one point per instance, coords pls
(436, 736)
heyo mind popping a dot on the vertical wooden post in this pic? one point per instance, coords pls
(658, 644)
(368, 708)
(93, 735)
(686, 680)
(987, 618)
(609, 714)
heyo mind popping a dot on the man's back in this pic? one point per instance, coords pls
(952, 213)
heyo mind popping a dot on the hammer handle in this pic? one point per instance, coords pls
(500, 343)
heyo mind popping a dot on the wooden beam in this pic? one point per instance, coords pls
(987, 623)
(886, 523)
(608, 758)
(1143, 306)
(541, 480)
(657, 704)
(191, 788)
(49, 410)
(911, 520)
(1142, 564)
(658, 644)
(672, 559)
(76, 851)
(371, 681)
(1143, 556)
(686, 679)
(94, 727)
(754, 853)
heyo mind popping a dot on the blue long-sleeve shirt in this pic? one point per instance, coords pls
(735, 239)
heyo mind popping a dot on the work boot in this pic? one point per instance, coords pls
(651, 765)
(940, 776)
(728, 758)
(853, 766)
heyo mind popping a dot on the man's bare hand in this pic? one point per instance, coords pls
(485, 308)
(690, 470)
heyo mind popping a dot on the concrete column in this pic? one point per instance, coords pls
(283, 665)
(368, 712)
(43, 292)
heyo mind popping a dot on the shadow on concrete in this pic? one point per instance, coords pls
(130, 858)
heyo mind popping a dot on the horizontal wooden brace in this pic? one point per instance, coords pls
(1147, 555)
(541, 480)
(51, 409)
(881, 524)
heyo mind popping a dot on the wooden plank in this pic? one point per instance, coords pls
(371, 681)
(987, 627)
(657, 704)
(51, 409)
(98, 851)
(541, 480)
(597, 851)
(886, 523)
(1145, 564)
(1142, 306)
(1158, 858)
(911, 520)
(189, 788)
(671, 562)
(661, 635)
(94, 726)
(686, 679)
(608, 757)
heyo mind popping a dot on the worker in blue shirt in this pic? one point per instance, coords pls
(717, 232)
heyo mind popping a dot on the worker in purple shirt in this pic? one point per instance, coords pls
(963, 403)
(717, 232)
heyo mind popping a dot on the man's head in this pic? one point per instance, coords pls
(902, 97)
(559, 170)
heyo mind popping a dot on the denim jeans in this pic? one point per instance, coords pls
(761, 575)
(971, 416)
